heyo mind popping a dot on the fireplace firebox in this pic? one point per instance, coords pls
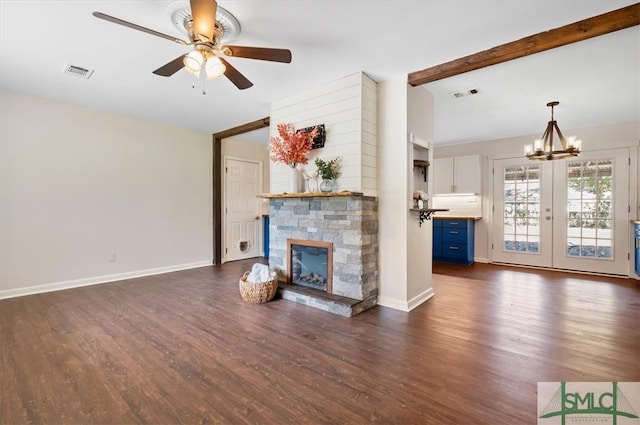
(310, 264)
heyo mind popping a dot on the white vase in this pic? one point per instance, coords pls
(295, 180)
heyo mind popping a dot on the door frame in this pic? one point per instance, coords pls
(634, 207)
(224, 202)
(216, 180)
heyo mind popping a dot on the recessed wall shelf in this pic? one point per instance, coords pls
(422, 164)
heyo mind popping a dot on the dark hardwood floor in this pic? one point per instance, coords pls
(184, 348)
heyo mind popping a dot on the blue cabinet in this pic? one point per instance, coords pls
(265, 236)
(437, 236)
(636, 232)
(453, 241)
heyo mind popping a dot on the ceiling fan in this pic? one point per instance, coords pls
(205, 35)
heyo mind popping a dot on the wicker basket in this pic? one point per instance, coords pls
(257, 293)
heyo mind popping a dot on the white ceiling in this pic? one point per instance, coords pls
(596, 81)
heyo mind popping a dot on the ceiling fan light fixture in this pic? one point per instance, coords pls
(207, 29)
(193, 62)
(542, 149)
(180, 11)
(214, 67)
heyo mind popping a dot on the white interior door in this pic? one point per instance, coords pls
(567, 214)
(243, 219)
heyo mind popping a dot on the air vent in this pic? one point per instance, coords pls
(464, 93)
(78, 71)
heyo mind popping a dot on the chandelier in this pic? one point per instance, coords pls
(542, 149)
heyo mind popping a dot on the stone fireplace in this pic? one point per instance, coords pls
(345, 224)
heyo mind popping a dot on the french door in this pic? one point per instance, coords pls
(567, 214)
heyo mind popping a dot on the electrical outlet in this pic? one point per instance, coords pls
(112, 258)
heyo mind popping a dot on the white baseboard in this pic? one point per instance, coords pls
(76, 283)
(406, 305)
(481, 260)
(420, 298)
(393, 303)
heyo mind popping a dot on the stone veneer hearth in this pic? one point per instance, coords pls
(350, 222)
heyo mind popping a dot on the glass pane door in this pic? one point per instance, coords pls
(519, 186)
(521, 219)
(590, 209)
(593, 189)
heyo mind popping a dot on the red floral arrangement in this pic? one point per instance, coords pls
(291, 147)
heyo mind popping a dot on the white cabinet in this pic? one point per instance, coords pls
(442, 175)
(459, 174)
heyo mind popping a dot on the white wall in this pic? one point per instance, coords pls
(237, 148)
(593, 138)
(79, 185)
(347, 108)
(405, 247)
(369, 136)
(393, 186)
(419, 237)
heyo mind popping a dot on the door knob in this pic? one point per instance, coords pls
(258, 218)
(548, 217)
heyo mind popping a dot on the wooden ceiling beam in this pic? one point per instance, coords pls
(244, 128)
(616, 20)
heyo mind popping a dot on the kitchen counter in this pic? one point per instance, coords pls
(456, 217)
(635, 221)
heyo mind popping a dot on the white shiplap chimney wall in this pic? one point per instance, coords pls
(348, 109)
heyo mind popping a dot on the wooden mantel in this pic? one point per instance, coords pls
(308, 194)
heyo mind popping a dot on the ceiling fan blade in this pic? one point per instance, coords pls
(137, 27)
(170, 68)
(235, 76)
(260, 53)
(203, 13)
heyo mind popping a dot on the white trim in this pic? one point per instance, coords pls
(481, 260)
(76, 283)
(411, 138)
(489, 206)
(406, 306)
(393, 303)
(420, 298)
(633, 206)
